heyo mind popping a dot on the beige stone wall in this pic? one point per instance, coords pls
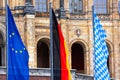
(32, 29)
(14, 3)
(30, 39)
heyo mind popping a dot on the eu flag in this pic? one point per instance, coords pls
(17, 54)
(100, 51)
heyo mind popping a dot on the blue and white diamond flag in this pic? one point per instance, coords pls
(100, 51)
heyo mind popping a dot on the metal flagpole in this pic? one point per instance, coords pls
(6, 20)
(93, 37)
(51, 41)
(93, 20)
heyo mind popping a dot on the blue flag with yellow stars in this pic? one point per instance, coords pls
(17, 54)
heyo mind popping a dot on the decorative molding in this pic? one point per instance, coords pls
(77, 16)
(78, 32)
(62, 13)
(29, 9)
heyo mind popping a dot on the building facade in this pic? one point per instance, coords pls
(75, 18)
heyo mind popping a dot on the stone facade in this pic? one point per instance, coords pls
(76, 28)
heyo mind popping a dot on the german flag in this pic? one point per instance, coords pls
(61, 68)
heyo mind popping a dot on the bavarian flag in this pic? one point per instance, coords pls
(61, 70)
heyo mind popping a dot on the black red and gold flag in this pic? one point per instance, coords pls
(61, 68)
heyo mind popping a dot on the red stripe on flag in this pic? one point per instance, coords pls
(64, 69)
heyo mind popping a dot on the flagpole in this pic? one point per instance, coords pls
(93, 15)
(93, 36)
(93, 21)
(51, 41)
(6, 20)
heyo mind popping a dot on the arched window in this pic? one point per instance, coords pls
(101, 6)
(2, 51)
(41, 5)
(78, 57)
(43, 54)
(109, 59)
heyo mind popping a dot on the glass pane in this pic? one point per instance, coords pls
(44, 8)
(79, 5)
(44, 1)
(37, 8)
(41, 5)
(100, 6)
(41, 1)
(36, 1)
(119, 6)
(72, 5)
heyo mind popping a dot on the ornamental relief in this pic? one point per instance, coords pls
(76, 16)
(104, 17)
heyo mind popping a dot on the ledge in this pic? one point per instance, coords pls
(45, 72)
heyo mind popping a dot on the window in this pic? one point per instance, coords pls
(100, 6)
(119, 7)
(76, 6)
(43, 53)
(41, 5)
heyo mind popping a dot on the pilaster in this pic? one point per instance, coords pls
(29, 16)
(116, 49)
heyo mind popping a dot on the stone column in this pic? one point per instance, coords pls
(90, 28)
(29, 15)
(119, 46)
(116, 49)
(115, 28)
(19, 20)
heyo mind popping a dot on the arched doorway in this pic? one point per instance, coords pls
(108, 61)
(2, 51)
(43, 53)
(78, 57)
